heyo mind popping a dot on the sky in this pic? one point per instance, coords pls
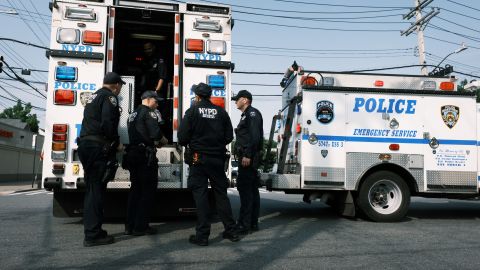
(269, 35)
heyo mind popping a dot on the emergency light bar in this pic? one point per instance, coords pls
(92, 38)
(65, 73)
(207, 25)
(80, 13)
(59, 142)
(194, 45)
(65, 97)
(429, 85)
(216, 81)
(68, 36)
(216, 47)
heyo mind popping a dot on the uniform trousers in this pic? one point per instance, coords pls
(210, 168)
(94, 163)
(144, 181)
(247, 186)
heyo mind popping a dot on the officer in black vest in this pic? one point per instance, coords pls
(207, 129)
(144, 134)
(248, 147)
(97, 145)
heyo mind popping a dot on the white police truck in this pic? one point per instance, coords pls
(365, 143)
(90, 38)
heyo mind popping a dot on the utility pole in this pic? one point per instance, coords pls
(418, 26)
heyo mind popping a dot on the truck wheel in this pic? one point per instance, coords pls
(384, 197)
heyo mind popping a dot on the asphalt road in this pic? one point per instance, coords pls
(438, 234)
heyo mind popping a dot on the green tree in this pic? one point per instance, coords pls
(23, 113)
(267, 162)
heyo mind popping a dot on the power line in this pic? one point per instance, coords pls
(29, 81)
(29, 14)
(24, 43)
(463, 5)
(23, 80)
(37, 12)
(450, 42)
(305, 12)
(315, 28)
(466, 74)
(326, 57)
(19, 57)
(319, 52)
(315, 18)
(454, 33)
(36, 70)
(18, 9)
(463, 15)
(33, 107)
(256, 84)
(26, 23)
(334, 5)
(457, 24)
(19, 88)
(322, 50)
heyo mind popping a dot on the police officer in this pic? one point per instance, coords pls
(154, 76)
(249, 136)
(144, 134)
(96, 149)
(207, 129)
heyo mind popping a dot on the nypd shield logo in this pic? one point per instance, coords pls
(324, 153)
(85, 97)
(325, 111)
(450, 115)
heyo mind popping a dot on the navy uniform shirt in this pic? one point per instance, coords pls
(153, 69)
(206, 128)
(143, 126)
(101, 115)
(249, 133)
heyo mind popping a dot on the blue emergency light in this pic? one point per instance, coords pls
(65, 73)
(216, 81)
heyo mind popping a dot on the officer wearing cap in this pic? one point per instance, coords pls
(144, 134)
(96, 149)
(249, 135)
(207, 129)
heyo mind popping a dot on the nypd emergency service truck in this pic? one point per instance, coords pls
(368, 142)
(90, 38)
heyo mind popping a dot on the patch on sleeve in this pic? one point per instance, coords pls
(253, 114)
(113, 100)
(153, 115)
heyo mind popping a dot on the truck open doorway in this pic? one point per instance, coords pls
(133, 29)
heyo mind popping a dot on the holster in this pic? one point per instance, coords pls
(110, 171)
(227, 160)
(151, 155)
(188, 156)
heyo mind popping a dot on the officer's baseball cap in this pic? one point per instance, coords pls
(242, 93)
(112, 78)
(202, 90)
(151, 94)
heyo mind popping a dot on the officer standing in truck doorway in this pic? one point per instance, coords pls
(97, 145)
(247, 149)
(144, 136)
(206, 129)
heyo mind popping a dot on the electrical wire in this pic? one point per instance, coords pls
(305, 12)
(321, 50)
(334, 5)
(37, 12)
(255, 84)
(18, 57)
(316, 18)
(454, 33)
(449, 42)
(315, 28)
(26, 23)
(473, 67)
(457, 24)
(463, 15)
(23, 80)
(463, 5)
(33, 107)
(325, 57)
(19, 88)
(38, 25)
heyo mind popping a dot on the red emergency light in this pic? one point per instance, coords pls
(92, 37)
(195, 45)
(219, 101)
(64, 97)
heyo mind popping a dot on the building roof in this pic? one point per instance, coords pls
(14, 123)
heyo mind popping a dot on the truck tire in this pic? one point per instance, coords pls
(384, 197)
